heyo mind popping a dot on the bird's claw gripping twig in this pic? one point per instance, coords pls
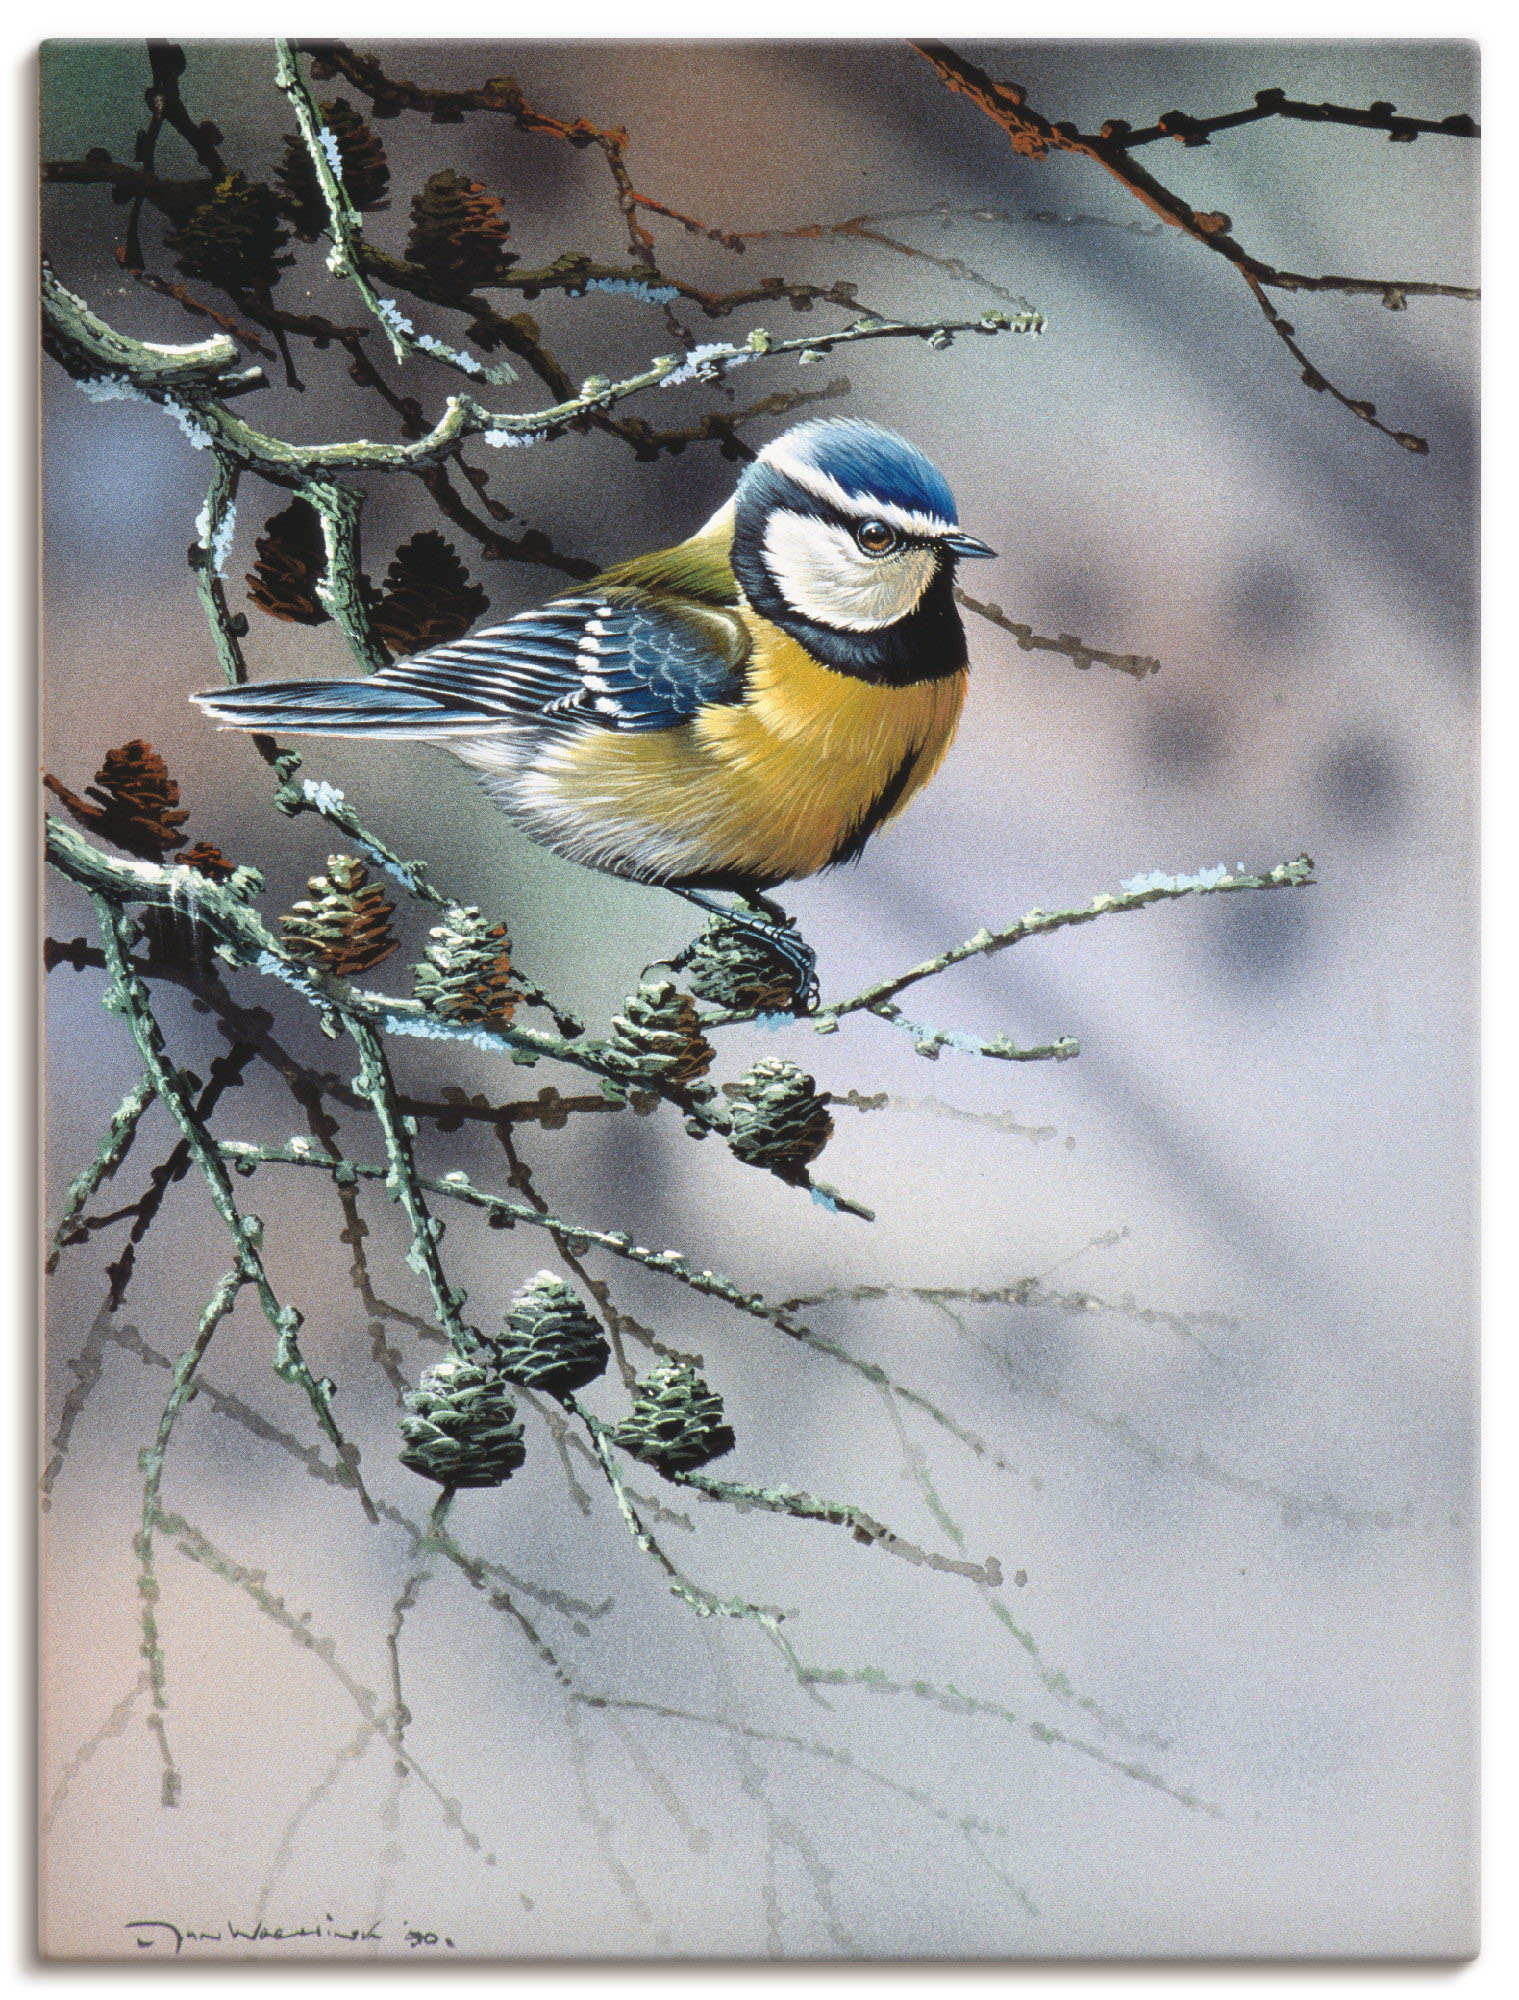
(783, 938)
(768, 922)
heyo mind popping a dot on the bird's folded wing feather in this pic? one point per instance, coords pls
(619, 658)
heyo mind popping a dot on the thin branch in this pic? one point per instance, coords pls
(502, 96)
(226, 1072)
(867, 229)
(966, 1824)
(1075, 650)
(864, 1527)
(113, 1149)
(1029, 1293)
(1276, 104)
(929, 1041)
(954, 1702)
(705, 1603)
(346, 229)
(253, 1583)
(403, 1185)
(126, 995)
(1136, 894)
(113, 1726)
(247, 1156)
(170, 288)
(936, 1107)
(221, 1302)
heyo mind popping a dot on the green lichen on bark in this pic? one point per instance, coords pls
(115, 1144)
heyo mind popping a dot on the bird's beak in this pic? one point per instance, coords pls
(965, 545)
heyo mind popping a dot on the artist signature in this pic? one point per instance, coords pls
(158, 1935)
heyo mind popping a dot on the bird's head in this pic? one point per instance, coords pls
(846, 527)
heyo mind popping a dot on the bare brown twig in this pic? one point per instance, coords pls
(1034, 137)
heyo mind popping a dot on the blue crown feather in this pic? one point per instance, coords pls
(872, 463)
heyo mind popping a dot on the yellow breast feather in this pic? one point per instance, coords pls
(777, 786)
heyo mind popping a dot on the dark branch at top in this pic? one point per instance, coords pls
(1035, 137)
(1379, 117)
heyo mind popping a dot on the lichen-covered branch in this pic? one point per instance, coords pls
(346, 258)
(208, 562)
(224, 912)
(929, 1041)
(1136, 894)
(127, 995)
(113, 365)
(402, 1184)
(226, 1072)
(182, 1388)
(114, 1147)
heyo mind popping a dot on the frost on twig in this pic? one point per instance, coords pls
(345, 228)
(1135, 894)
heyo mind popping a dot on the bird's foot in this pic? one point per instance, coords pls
(751, 957)
(781, 936)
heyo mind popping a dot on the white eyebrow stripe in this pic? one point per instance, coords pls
(858, 506)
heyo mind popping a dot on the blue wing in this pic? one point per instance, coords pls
(620, 659)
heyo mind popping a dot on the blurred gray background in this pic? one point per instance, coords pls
(1247, 1541)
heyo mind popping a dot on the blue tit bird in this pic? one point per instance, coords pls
(740, 710)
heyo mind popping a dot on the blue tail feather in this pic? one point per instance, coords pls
(340, 708)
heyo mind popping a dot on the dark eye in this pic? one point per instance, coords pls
(875, 538)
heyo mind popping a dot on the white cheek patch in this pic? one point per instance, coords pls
(821, 573)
